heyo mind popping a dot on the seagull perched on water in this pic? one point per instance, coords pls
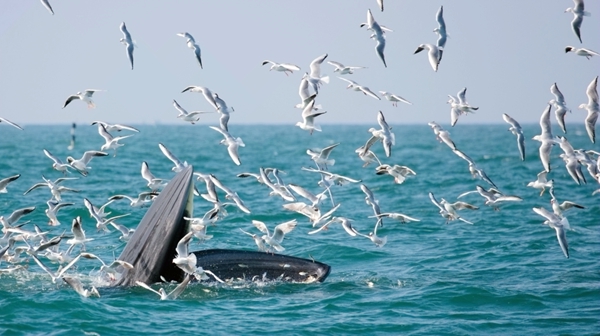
(191, 43)
(433, 54)
(357, 87)
(128, 42)
(394, 98)
(579, 12)
(11, 123)
(86, 96)
(515, 128)
(593, 109)
(587, 53)
(282, 67)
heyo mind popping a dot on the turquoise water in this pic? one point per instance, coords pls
(505, 274)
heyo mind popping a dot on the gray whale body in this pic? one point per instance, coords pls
(151, 249)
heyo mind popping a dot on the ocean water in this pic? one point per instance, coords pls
(505, 274)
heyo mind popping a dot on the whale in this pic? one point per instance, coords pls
(152, 247)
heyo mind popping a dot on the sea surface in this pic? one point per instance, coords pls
(505, 274)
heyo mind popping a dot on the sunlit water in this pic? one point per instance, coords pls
(505, 274)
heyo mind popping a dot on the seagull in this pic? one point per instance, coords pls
(79, 237)
(179, 166)
(10, 123)
(142, 200)
(377, 35)
(55, 189)
(86, 96)
(198, 225)
(47, 5)
(4, 182)
(515, 128)
(578, 14)
(308, 117)
(559, 104)
(81, 165)
(433, 54)
(278, 189)
(128, 42)
(112, 270)
(581, 52)
(546, 138)
(191, 43)
(321, 158)
(314, 78)
(399, 173)
(78, 287)
(14, 217)
(441, 31)
(402, 218)
(230, 195)
(344, 70)
(367, 155)
(111, 142)
(258, 240)
(357, 87)
(442, 135)
(388, 139)
(191, 117)
(557, 223)
(208, 95)
(370, 200)
(282, 67)
(313, 213)
(184, 260)
(115, 127)
(493, 199)
(173, 294)
(333, 178)
(394, 98)
(593, 109)
(126, 232)
(541, 182)
(314, 199)
(153, 183)
(558, 208)
(473, 169)
(571, 160)
(53, 207)
(463, 105)
(585, 159)
(61, 271)
(346, 224)
(305, 95)
(378, 241)
(232, 144)
(224, 111)
(99, 215)
(448, 210)
(275, 239)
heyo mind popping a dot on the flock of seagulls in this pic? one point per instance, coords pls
(19, 245)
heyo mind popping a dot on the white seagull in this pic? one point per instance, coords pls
(5, 181)
(515, 128)
(275, 239)
(377, 35)
(232, 144)
(561, 107)
(163, 294)
(557, 223)
(85, 96)
(153, 183)
(314, 77)
(115, 127)
(357, 87)
(433, 54)
(321, 158)
(282, 67)
(308, 117)
(578, 13)
(179, 166)
(388, 138)
(541, 182)
(394, 98)
(441, 31)
(81, 165)
(587, 53)
(378, 241)
(545, 138)
(342, 69)
(191, 43)
(442, 135)
(399, 173)
(208, 95)
(449, 210)
(128, 42)
(191, 117)
(593, 109)
(110, 142)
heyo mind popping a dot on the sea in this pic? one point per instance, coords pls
(504, 274)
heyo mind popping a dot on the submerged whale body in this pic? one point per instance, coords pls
(151, 249)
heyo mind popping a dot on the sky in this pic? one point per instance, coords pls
(507, 53)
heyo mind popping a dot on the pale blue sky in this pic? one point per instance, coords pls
(507, 53)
